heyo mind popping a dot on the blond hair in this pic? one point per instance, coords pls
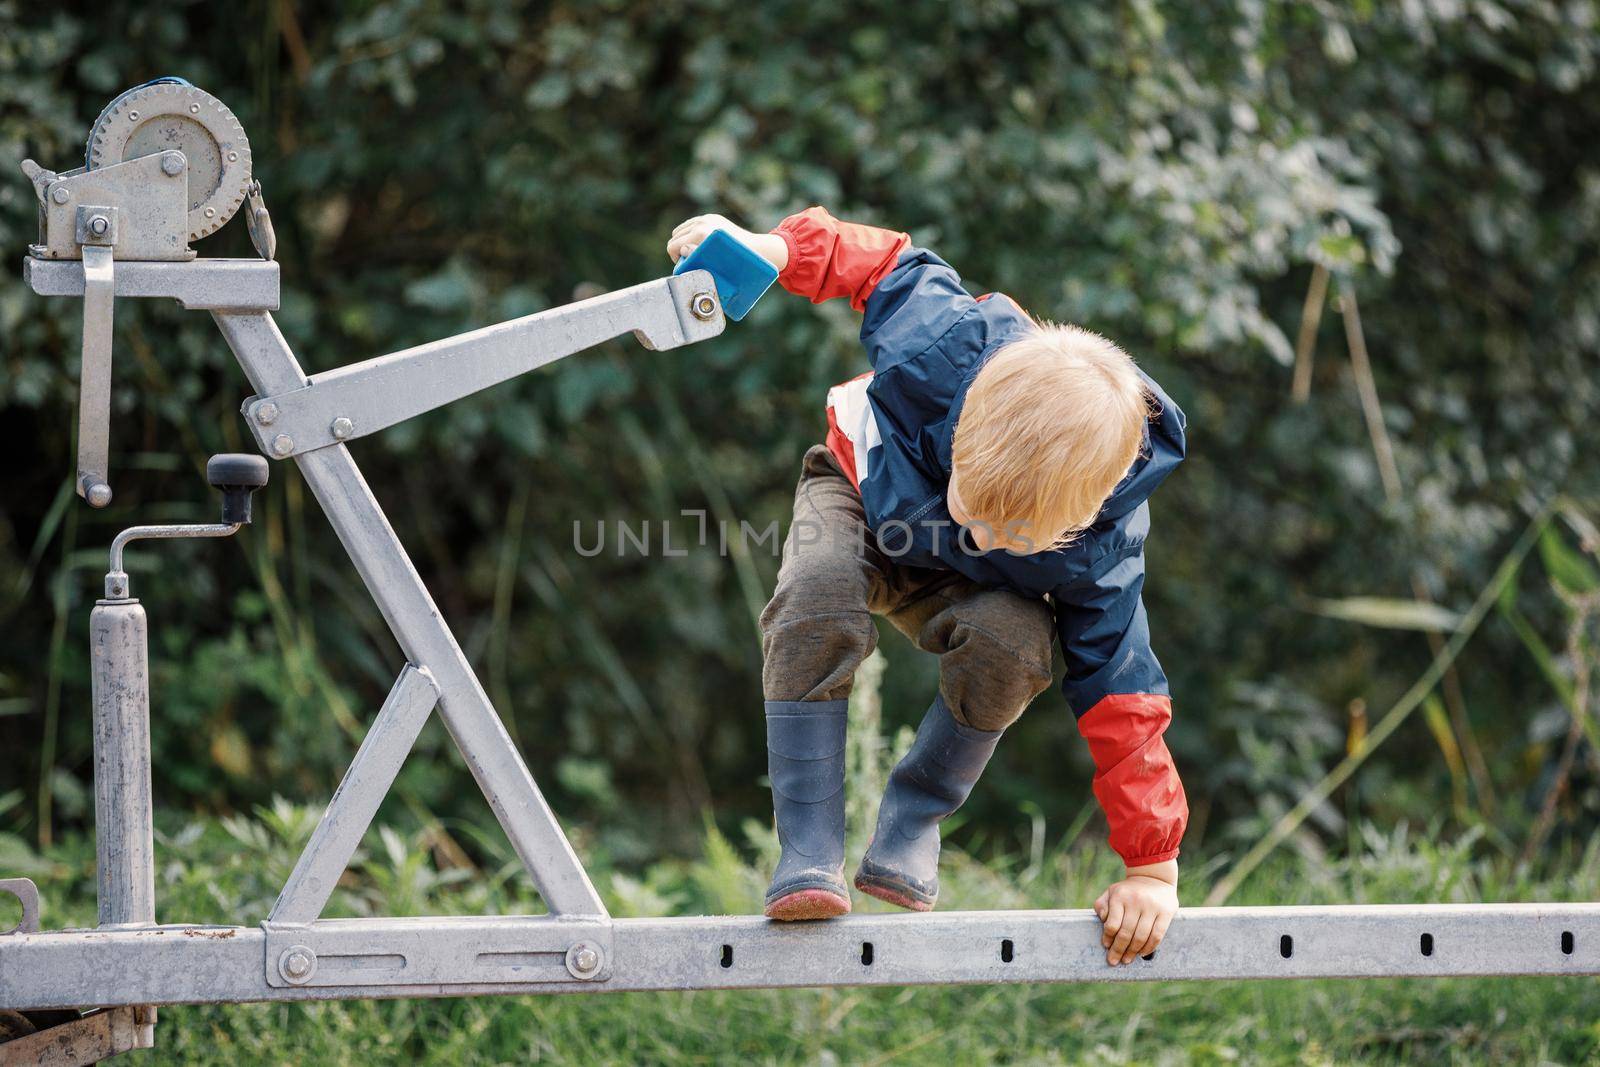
(1051, 424)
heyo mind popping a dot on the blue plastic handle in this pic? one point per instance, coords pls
(741, 274)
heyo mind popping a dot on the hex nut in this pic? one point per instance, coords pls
(267, 413)
(282, 444)
(60, 194)
(341, 428)
(172, 164)
(703, 304)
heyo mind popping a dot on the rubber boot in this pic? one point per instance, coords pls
(805, 760)
(935, 778)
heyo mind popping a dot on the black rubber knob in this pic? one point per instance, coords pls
(238, 475)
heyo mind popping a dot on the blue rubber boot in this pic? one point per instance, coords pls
(935, 778)
(805, 760)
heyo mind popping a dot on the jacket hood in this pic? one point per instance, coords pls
(1165, 445)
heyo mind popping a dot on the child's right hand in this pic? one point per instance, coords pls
(1136, 911)
(690, 232)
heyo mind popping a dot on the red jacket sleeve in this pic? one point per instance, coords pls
(1135, 780)
(829, 258)
(1116, 687)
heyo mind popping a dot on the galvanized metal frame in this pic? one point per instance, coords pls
(295, 955)
(508, 955)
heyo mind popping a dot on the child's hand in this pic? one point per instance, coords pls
(1137, 911)
(687, 237)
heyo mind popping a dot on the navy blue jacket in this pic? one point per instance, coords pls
(926, 339)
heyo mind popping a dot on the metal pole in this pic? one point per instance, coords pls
(124, 836)
(124, 846)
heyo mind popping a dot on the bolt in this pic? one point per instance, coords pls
(233, 157)
(172, 164)
(704, 305)
(342, 428)
(98, 225)
(194, 109)
(60, 194)
(133, 115)
(297, 963)
(282, 445)
(267, 413)
(211, 212)
(98, 495)
(583, 960)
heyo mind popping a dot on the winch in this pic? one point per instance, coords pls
(166, 163)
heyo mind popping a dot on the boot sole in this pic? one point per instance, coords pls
(808, 904)
(889, 892)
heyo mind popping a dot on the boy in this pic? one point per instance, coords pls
(983, 486)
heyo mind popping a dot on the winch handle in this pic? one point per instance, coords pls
(238, 475)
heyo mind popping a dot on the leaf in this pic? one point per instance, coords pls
(1388, 614)
(1566, 567)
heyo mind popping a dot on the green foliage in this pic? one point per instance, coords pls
(1166, 173)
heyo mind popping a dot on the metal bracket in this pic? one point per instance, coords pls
(203, 285)
(435, 951)
(27, 895)
(262, 233)
(97, 225)
(338, 406)
(94, 376)
(148, 202)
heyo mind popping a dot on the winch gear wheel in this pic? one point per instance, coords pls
(168, 114)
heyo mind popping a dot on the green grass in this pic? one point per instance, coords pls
(229, 871)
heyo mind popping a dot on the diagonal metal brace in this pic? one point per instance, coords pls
(338, 406)
(356, 800)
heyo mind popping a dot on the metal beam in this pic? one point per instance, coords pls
(354, 401)
(201, 964)
(356, 801)
(200, 285)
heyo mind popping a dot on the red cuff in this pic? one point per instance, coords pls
(1147, 861)
(829, 258)
(1135, 780)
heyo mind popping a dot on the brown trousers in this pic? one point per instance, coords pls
(993, 645)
